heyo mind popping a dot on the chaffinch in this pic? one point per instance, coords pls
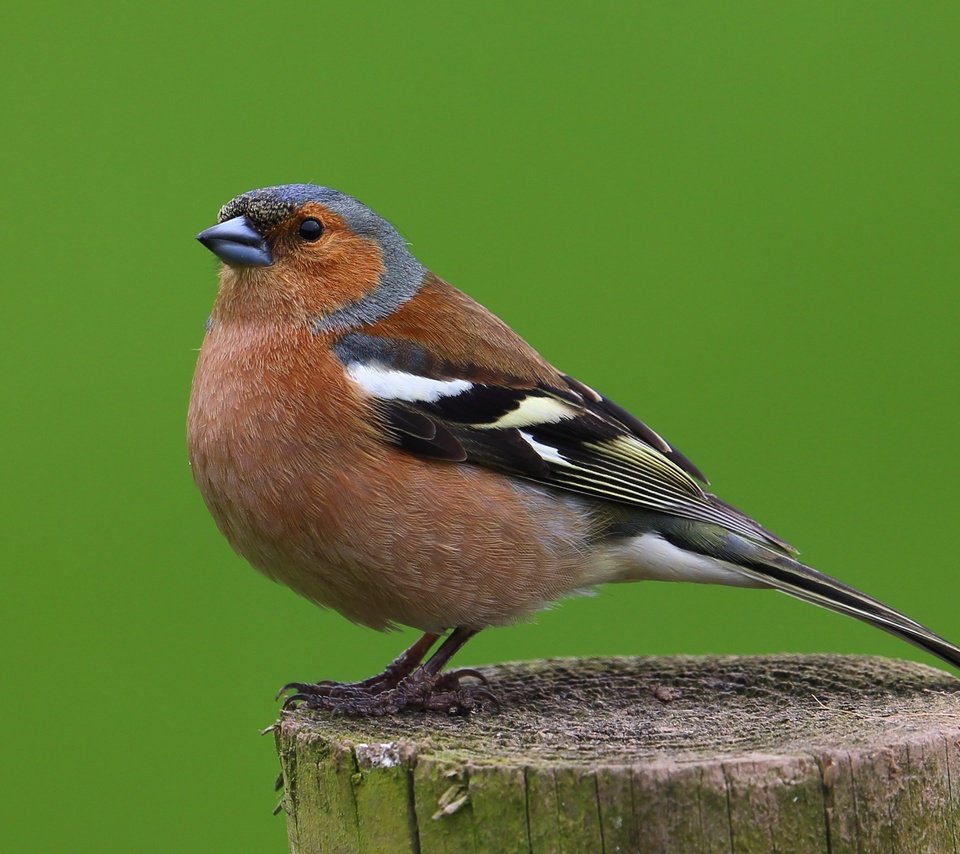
(376, 440)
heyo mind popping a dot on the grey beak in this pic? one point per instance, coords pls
(237, 243)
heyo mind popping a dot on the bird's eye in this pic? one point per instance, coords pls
(310, 229)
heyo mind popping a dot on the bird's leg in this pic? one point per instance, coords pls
(423, 688)
(446, 651)
(403, 665)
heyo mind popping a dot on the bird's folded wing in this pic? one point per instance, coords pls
(562, 434)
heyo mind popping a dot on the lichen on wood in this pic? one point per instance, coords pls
(725, 754)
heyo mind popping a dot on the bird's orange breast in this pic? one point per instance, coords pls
(297, 472)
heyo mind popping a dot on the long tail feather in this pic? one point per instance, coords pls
(794, 578)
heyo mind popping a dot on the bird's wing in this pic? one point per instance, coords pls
(559, 432)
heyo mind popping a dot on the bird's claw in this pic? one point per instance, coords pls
(289, 686)
(292, 701)
(452, 677)
(420, 691)
(306, 687)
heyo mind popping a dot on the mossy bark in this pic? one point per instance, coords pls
(785, 753)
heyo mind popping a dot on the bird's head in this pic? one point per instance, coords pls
(309, 254)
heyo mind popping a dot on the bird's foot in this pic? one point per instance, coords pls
(418, 691)
(327, 688)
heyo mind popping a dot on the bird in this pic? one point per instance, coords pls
(373, 438)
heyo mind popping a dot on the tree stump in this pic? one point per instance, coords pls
(782, 753)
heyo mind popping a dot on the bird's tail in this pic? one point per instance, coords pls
(783, 573)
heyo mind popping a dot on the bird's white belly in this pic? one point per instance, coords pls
(651, 557)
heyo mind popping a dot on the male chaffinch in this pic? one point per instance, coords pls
(385, 446)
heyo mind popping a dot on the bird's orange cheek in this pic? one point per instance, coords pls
(348, 271)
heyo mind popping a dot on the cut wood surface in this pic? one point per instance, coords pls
(719, 754)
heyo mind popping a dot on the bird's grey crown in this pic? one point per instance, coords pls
(270, 205)
(402, 273)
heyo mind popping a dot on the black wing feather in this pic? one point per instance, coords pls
(568, 437)
(596, 402)
(420, 434)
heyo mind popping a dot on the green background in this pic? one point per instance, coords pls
(738, 220)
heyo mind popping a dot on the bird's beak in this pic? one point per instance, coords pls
(237, 243)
